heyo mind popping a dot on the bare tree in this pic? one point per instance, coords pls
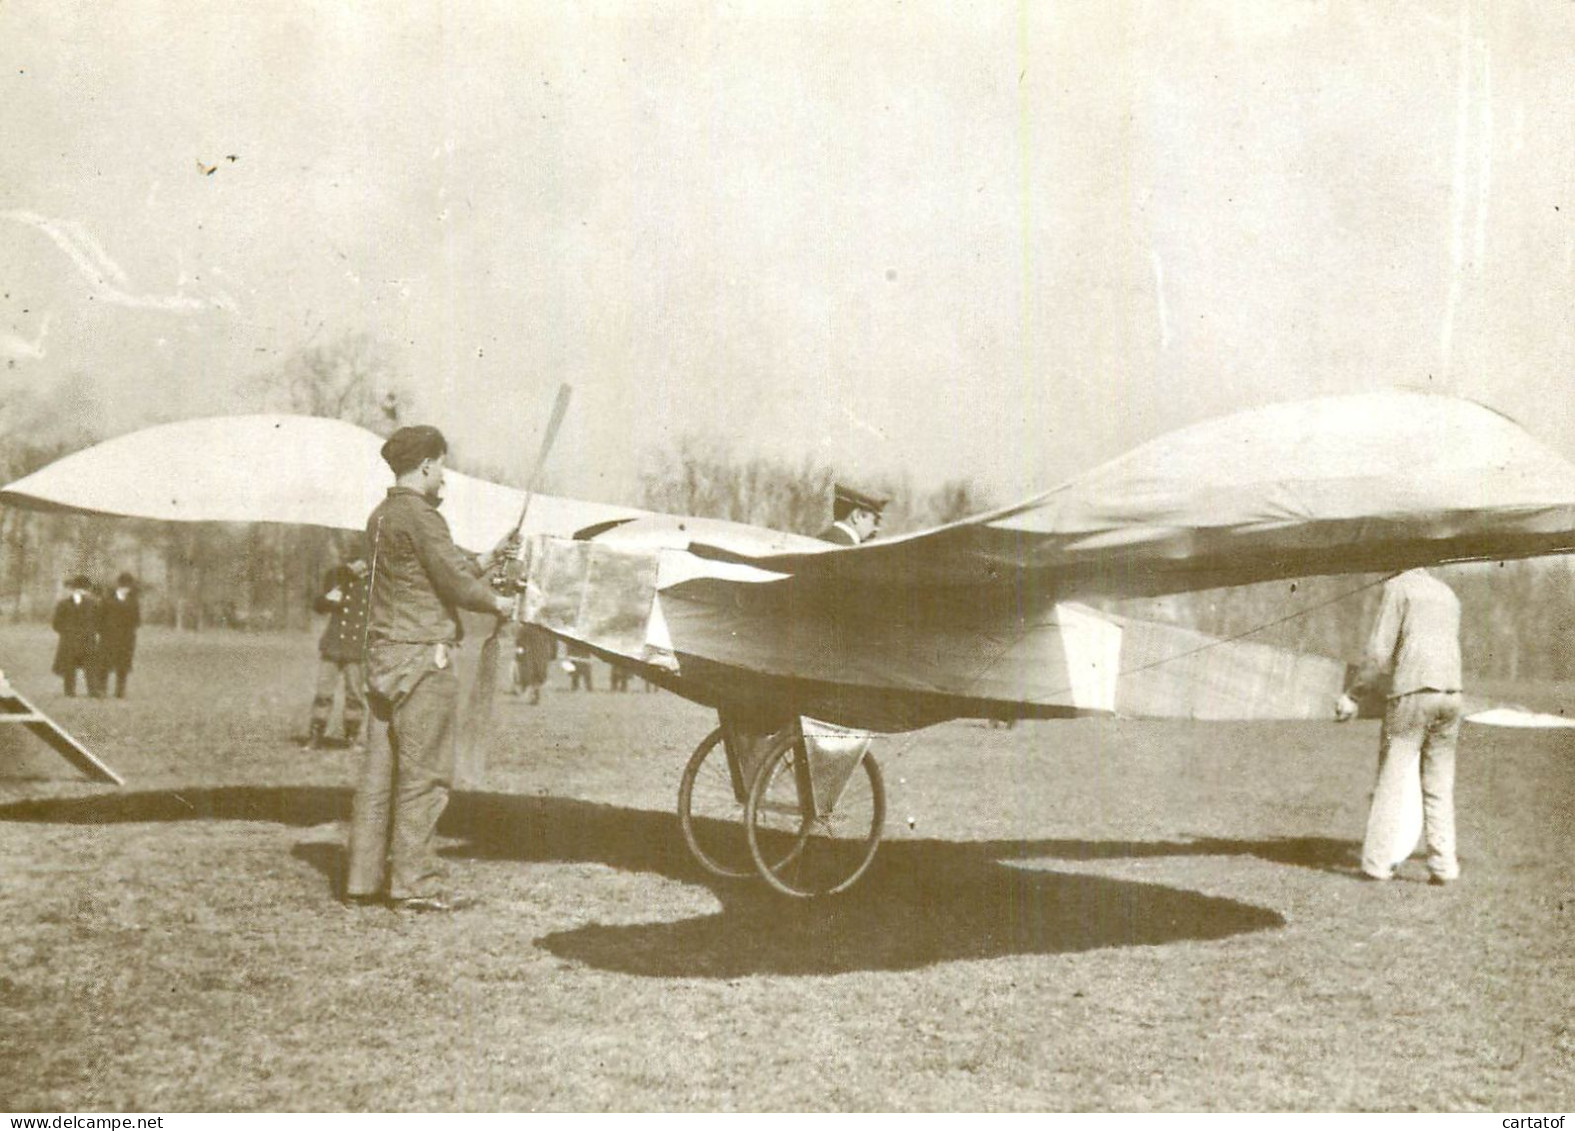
(37, 428)
(954, 500)
(707, 480)
(351, 378)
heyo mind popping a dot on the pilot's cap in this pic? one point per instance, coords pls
(406, 448)
(854, 498)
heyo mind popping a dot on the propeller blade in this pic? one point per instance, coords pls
(484, 691)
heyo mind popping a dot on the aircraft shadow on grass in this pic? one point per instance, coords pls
(924, 902)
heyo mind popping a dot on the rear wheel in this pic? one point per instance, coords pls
(798, 851)
(711, 812)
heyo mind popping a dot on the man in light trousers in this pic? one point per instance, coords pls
(419, 581)
(1416, 638)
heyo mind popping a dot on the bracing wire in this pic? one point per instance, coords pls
(1213, 642)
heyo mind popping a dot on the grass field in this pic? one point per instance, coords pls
(1083, 915)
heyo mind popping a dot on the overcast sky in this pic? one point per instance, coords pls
(901, 238)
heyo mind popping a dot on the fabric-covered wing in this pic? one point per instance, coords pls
(1073, 660)
(740, 639)
(735, 637)
(305, 470)
(1351, 484)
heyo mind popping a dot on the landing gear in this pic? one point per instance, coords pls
(815, 813)
(805, 811)
(711, 802)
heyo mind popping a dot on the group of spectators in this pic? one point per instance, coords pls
(534, 651)
(98, 634)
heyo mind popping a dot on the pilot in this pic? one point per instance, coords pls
(855, 516)
(419, 581)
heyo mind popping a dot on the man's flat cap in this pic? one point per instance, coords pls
(79, 581)
(406, 448)
(856, 498)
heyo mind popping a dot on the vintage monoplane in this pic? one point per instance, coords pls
(805, 649)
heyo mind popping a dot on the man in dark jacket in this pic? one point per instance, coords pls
(855, 516)
(419, 581)
(119, 618)
(340, 649)
(76, 622)
(534, 649)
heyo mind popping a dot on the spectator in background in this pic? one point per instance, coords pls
(339, 650)
(577, 663)
(119, 618)
(534, 649)
(76, 623)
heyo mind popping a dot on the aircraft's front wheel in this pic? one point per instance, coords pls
(807, 846)
(711, 810)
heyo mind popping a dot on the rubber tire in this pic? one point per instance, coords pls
(729, 868)
(782, 876)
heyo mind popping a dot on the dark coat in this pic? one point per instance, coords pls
(534, 649)
(344, 636)
(77, 624)
(117, 634)
(837, 534)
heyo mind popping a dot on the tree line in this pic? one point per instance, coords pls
(1518, 617)
(258, 576)
(191, 576)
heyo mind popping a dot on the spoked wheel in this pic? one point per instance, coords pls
(711, 810)
(802, 852)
